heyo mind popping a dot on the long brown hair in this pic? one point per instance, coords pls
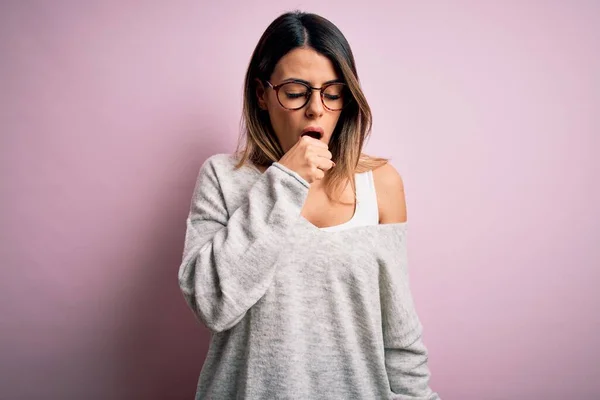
(259, 144)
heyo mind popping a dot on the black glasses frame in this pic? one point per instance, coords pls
(309, 91)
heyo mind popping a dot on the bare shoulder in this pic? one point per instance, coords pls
(391, 200)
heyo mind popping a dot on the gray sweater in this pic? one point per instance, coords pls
(296, 312)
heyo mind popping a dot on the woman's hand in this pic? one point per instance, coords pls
(309, 157)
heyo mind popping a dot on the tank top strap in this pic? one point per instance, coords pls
(366, 197)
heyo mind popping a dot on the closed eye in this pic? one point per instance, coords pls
(295, 95)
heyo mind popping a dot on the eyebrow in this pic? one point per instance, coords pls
(309, 84)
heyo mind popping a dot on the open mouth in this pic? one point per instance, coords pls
(313, 134)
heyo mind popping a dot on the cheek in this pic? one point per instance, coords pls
(334, 121)
(282, 121)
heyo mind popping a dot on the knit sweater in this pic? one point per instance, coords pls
(294, 311)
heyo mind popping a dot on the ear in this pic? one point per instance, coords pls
(261, 94)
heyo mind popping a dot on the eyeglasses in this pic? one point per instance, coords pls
(294, 95)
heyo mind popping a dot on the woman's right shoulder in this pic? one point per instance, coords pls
(219, 160)
(219, 163)
(220, 169)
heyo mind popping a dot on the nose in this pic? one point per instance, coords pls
(315, 105)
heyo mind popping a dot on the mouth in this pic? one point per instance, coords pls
(313, 132)
(316, 135)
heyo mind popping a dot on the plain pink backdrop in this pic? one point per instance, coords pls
(489, 110)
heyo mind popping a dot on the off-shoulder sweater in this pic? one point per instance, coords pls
(294, 311)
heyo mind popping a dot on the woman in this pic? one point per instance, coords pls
(295, 250)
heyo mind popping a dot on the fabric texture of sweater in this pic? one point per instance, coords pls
(296, 312)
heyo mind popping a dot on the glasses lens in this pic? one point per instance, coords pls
(293, 95)
(334, 96)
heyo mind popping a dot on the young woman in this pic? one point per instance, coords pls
(295, 249)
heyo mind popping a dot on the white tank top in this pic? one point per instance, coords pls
(366, 211)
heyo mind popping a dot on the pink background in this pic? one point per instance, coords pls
(488, 109)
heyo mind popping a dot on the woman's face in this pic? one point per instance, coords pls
(307, 65)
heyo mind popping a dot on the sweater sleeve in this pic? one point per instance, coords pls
(405, 353)
(229, 260)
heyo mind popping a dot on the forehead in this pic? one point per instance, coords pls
(307, 64)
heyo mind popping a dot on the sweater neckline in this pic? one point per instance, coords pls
(366, 229)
